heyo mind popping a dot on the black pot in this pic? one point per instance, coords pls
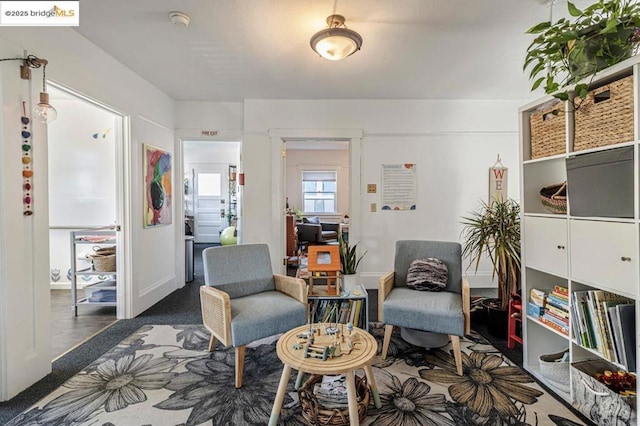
(497, 319)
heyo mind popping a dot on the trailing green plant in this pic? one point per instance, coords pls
(349, 260)
(566, 51)
(494, 229)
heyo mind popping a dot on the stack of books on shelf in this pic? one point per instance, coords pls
(551, 309)
(342, 311)
(605, 322)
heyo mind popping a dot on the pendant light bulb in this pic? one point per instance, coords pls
(44, 112)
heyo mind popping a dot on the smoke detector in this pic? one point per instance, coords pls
(179, 19)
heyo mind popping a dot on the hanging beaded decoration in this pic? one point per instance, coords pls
(27, 169)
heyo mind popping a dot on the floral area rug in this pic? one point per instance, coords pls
(163, 375)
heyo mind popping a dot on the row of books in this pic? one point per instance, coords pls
(551, 308)
(342, 311)
(605, 322)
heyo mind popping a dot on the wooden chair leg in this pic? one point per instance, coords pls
(239, 365)
(457, 353)
(388, 329)
(212, 343)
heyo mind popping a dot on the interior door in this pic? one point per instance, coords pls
(210, 185)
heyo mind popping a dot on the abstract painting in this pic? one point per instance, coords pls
(157, 186)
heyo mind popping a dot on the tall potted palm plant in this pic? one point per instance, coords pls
(494, 230)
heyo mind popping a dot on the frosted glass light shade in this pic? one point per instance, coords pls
(336, 43)
(43, 111)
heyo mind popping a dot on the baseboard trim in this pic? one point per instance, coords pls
(157, 285)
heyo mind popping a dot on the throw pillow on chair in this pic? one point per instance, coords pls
(428, 274)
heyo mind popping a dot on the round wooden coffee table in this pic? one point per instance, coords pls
(291, 351)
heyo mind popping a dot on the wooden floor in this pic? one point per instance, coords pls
(67, 330)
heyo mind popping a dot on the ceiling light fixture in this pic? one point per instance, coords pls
(179, 19)
(336, 42)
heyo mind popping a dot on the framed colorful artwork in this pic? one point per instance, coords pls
(157, 186)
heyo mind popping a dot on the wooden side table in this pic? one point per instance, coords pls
(364, 350)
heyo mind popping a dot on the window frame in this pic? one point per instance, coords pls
(335, 171)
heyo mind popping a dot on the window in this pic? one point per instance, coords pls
(319, 191)
(209, 184)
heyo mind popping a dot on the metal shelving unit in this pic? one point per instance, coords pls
(105, 286)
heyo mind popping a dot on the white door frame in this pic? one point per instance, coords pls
(182, 136)
(278, 138)
(124, 232)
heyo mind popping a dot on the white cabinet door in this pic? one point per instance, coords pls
(545, 244)
(604, 254)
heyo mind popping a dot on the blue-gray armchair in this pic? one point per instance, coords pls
(243, 301)
(445, 311)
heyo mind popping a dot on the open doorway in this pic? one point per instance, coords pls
(317, 190)
(211, 197)
(84, 145)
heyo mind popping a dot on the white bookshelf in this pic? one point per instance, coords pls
(579, 253)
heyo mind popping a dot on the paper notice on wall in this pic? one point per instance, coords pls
(399, 186)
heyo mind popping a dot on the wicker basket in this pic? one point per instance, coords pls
(104, 250)
(316, 415)
(104, 259)
(554, 198)
(548, 132)
(555, 371)
(605, 116)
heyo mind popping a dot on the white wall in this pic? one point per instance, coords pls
(453, 175)
(74, 63)
(453, 144)
(311, 159)
(224, 117)
(154, 273)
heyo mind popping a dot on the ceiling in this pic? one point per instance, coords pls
(259, 49)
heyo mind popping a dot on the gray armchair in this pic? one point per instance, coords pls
(243, 301)
(318, 233)
(445, 312)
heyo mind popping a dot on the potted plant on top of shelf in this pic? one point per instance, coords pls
(566, 51)
(494, 229)
(349, 262)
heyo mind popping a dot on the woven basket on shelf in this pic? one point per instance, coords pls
(104, 259)
(548, 133)
(317, 415)
(605, 116)
(554, 198)
(104, 250)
